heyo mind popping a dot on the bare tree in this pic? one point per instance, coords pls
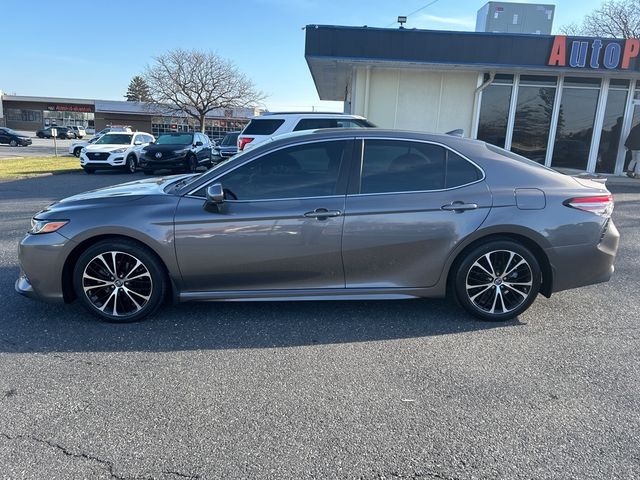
(196, 83)
(615, 18)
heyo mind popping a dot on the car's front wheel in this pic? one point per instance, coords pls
(76, 151)
(192, 164)
(13, 143)
(119, 281)
(498, 280)
(131, 164)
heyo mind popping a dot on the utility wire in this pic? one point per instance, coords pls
(415, 11)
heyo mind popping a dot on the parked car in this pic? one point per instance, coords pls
(78, 130)
(118, 150)
(76, 147)
(13, 138)
(217, 140)
(329, 214)
(228, 146)
(61, 132)
(114, 129)
(269, 125)
(176, 151)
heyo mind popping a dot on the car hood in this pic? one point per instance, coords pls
(117, 194)
(105, 148)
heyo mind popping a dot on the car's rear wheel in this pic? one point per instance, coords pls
(13, 143)
(131, 164)
(76, 151)
(119, 281)
(498, 280)
(192, 164)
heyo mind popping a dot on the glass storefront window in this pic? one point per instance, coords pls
(534, 109)
(575, 126)
(611, 129)
(494, 114)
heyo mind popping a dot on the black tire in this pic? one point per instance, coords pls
(103, 269)
(76, 151)
(192, 164)
(39, 135)
(89, 170)
(13, 143)
(131, 164)
(483, 289)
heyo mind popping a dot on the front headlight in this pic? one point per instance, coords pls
(119, 150)
(46, 226)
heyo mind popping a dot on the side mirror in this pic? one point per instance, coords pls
(199, 143)
(137, 142)
(215, 194)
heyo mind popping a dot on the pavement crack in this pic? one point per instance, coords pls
(181, 475)
(105, 463)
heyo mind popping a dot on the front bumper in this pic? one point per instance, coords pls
(581, 265)
(147, 163)
(114, 160)
(25, 142)
(42, 260)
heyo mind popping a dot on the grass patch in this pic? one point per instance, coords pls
(34, 166)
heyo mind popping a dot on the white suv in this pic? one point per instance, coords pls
(115, 150)
(269, 125)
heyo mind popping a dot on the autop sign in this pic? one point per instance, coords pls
(593, 53)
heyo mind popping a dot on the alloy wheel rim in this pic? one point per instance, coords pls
(132, 165)
(117, 283)
(498, 282)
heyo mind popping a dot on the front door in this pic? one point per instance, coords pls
(280, 226)
(414, 202)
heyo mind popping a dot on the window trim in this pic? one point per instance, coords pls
(446, 147)
(341, 171)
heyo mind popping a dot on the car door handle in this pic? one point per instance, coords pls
(459, 206)
(323, 213)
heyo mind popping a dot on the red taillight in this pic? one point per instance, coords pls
(242, 142)
(599, 204)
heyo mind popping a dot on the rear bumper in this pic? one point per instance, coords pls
(581, 265)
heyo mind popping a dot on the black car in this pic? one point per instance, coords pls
(176, 151)
(13, 138)
(229, 145)
(62, 132)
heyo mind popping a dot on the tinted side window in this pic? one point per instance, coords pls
(315, 123)
(460, 171)
(309, 170)
(262, 126)
(402, 166)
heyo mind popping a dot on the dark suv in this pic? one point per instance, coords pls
(176, 151)
(62, 132)
(13, 138)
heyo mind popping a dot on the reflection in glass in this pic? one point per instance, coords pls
(575, 128)
(611, 130)
(533, 118)
(494, 114)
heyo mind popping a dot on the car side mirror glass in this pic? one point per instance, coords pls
(137, 142)
(215, 194)
(199, 143)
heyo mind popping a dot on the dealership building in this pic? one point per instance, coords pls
(34, 113)
(566, 102)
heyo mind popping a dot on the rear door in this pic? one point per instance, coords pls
(410, 204)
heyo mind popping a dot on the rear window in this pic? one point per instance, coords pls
(230, 139)
(262, 126)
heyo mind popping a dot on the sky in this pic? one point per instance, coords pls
(93, 51)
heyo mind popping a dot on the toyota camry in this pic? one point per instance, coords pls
(329, 214)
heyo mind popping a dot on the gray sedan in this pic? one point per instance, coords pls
(329, 214)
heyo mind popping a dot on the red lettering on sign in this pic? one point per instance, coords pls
(631, 49)
(558, 56)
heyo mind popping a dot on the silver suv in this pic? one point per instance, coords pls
(269, 125)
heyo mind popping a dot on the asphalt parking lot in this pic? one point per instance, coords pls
(41, 147)
(367, 390)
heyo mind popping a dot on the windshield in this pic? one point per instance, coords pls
(230, 139)
(175, 139)
(115, 139)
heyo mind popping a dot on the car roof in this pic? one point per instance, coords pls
(281, 115)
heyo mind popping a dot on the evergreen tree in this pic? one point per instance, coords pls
(138, 90)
